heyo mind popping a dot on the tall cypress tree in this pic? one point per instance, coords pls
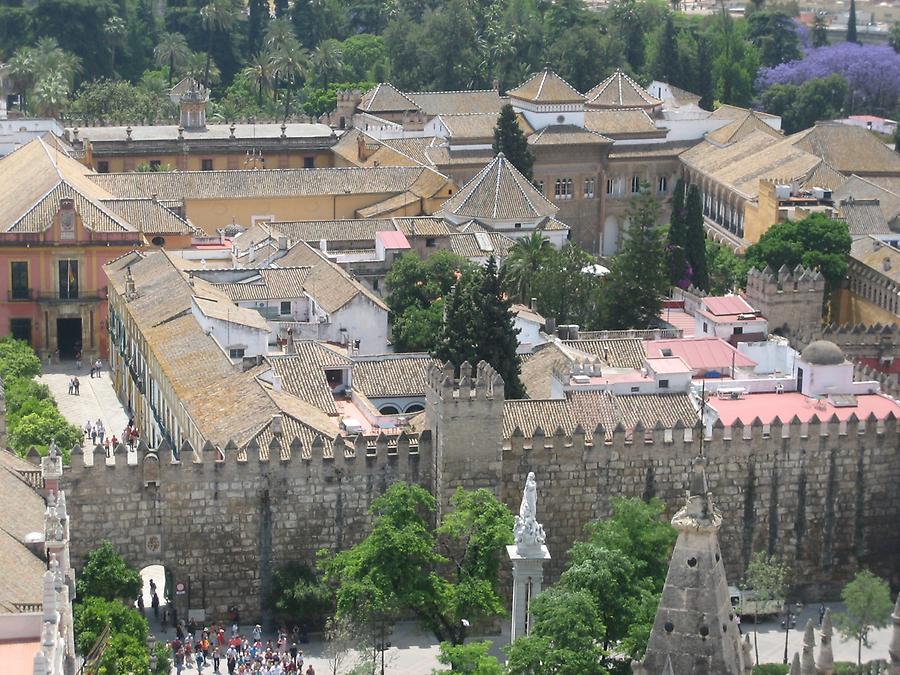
(632, 292)
(851, 23)
(666, 67)
(509, 139)
(677, 239)
(457, 342)
(695, 238)
(256, 24)
(494, 330)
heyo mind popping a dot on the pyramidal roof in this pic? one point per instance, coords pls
(546, 87)
(499, 192)
(385, 97)
(694, 632)
(620, 91)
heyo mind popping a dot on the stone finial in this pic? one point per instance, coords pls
(894, 648)
(825, 656)
(795, 665)
(699, 511)
(528, 532)
(747, 655)
(807, 661)
(40, 663)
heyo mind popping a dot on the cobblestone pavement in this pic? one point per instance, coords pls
(414, 652)
(97, 399)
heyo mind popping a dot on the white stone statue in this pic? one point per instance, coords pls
(529, 533)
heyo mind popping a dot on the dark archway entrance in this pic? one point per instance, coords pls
(21, 329)
(68, 337)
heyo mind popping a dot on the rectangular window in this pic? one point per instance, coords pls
(705, 327)
(285, 307)
(609, 186)
(155, 164)
(19, 287)
(309, 162)
(236, 352)
(68, 279)
(540, 186)
(563, 189)
(663, 384)
(635, 184)
(206, 165)
(588, 188)
(429, 242)
(102, 167)
(663, 184)
(738, 331)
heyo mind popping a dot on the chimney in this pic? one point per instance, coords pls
(573, 331)
(276, 425)
(282, 243)
(251, 254)
(276, 381)
(361, 152)
(533, 305)
(323, 245)
(129, 284)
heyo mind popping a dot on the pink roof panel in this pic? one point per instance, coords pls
(700, 353)
(727, 304)
(785, 406)
(393, 239)
(678, 318)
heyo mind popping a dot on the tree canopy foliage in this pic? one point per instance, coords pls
(868, 605)
(106, 575)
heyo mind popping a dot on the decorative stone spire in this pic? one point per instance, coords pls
(694, 626)
(527, 555)
(825, 656)
(894, 648)
(807, 662)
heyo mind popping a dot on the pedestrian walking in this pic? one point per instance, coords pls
(164, 621)
(77, 386)
(140, 604)
(154, 603)
(98, 366)
(78, 360)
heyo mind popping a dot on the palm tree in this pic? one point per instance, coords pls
(278, 32)
(526, 258)
(171, 51)
(115, 31)
(259, 70)
(49, 57)
(289, 65)
(328, 62)
(22, 71)
(50, 93)
(199, 63)
(218, 15)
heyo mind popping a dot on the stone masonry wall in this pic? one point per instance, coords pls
(224, 526)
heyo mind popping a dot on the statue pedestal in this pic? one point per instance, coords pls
(528, 575)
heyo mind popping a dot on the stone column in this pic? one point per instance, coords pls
(527, 555)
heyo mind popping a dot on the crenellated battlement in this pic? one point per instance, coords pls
(486, 383)
(791, 300)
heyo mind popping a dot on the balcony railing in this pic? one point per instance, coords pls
(72, 296)
(20, 294)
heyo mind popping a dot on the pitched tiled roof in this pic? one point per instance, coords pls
(21, 513)
(849, 149)
(392, 375)
(423, 226)
(620, 121)
(481, 244)
(271, 182)
(303, 374)
(453, 102)
(733, 112)
(620, 91)
(330, 285)
(552, 224)
(592, 408)
(313, 231)
(417, 149)
(499, 191)
(470, 125)
(741, 128)
(385, 97)
(546, 87)
(300, 421)
(149, 216)
(864, 216)
(618, 353)
(824, 176)
(387, 207)
(567, 134)
(877, 255)
(269, 283)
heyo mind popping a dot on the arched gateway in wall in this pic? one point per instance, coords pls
(222, 521)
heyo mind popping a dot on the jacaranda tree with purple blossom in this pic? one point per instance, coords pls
(872, 73)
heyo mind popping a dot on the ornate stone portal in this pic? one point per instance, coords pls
(527, 555)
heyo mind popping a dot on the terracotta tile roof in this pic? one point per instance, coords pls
(453, 102)
(481, 244)
(618, 352)
(150, 216)
(878, 256)
(620, 91)
(824, 176)
(667, 150)
(891, 183)
(741, 128)
(388, 206)
(546, 87)
(733, 112)
(552, 224)
(303, 373)
(864, 216)
(330, 285)
(21, 513)
(268, 283)
(227, 311)
(567, 134)
(414, 148)
(271, 182)
(313, 231)
(877, 188)
(392, 375)
(300, 421)
(538, 367)
(385, 97)
(378, 153)
(620, 121)
(472, 226)
(95, 215)
(499, 191)
(592, 408)
(423, 226)
(848, 149)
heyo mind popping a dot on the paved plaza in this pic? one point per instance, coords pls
(97, 398)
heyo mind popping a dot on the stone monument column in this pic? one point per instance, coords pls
(527, 555)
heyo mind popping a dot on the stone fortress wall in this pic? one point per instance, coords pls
(825, 495)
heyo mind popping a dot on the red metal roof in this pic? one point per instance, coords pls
(710, 353)
(727, 304)
(678, 318)
(393, 239)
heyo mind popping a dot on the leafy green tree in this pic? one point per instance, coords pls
(298, 595)
(851, 23)
(510, 140)
(632, 292)
(735, 63)
(317, 20)
(526, 258)
(172, 50)
(259, 71)
(814, 242)
(773, 34)
(868, 602)
(327, 62)
(767, 577)
(471, 657)
(800, 106)
(396, 568)
(320, 101)
(258, 17)
(447, 53)
(494, 330)
(124, 654)
(218, 17)
(418, 329)
(17, 359)
(820, 32)
(726, 271)
(39, 429)
(564, 290)
(565, 637)
(695, 238)
(92, 614)
(365, 57)
(106, 575)
(115, 31)
(289, 64)
(666, 67)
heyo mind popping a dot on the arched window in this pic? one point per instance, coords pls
(158, 241)
(389, 409)
(414, 408)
